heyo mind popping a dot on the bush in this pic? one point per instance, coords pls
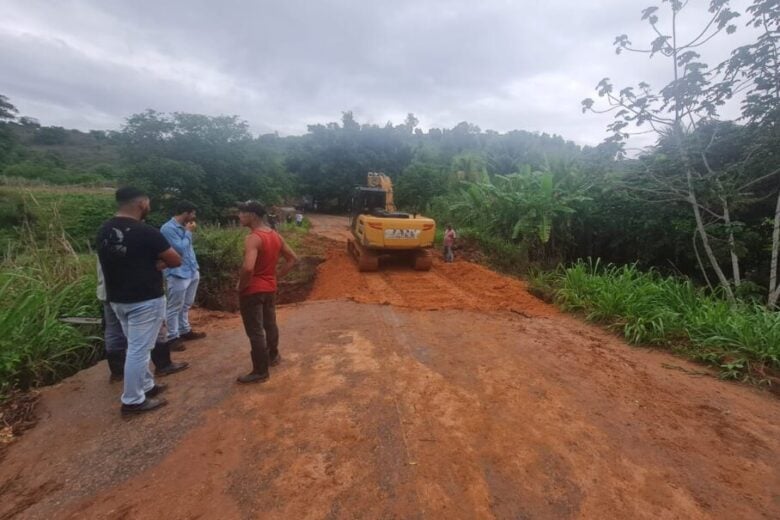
(220, 252)
(742, 339)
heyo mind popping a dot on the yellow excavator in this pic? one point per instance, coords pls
(379, 230)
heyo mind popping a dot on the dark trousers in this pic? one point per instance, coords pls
(258, 312)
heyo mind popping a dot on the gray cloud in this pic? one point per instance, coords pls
(500, 64)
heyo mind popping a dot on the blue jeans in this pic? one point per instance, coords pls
(181, 296)
(115, 339)
(141, 323)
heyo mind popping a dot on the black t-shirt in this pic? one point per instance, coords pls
(128, 252)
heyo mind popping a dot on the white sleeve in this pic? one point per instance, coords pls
(100, 292)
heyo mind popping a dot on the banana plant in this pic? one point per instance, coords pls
(521, 205)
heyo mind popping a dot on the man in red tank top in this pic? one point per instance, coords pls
(257, 288)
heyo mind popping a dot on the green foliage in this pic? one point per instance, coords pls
(522, 208)
(49, 135)
(220, 252)
(418, 185)
(502, 255)
(211, 161)
(647, 308)
(7, 110)
(42, 281)
(168, 181)
(72, 214)
(51, 169)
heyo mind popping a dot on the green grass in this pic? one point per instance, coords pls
(42, 281)
(742, 339)
(75, 213)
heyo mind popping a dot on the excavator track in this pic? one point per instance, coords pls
(367, 260)
(423, 260)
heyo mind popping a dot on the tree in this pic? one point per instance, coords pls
(754, 70)
(411, 122)
(50, 135)
(7, 139)
(418, 185)
(678, 111)
(7, 110)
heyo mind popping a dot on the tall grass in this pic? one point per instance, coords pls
(41, 281)
(742, 339)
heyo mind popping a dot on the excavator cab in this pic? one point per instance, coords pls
(367, 201)
(371, 201)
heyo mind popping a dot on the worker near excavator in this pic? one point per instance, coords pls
(449, 242)
(257, 288)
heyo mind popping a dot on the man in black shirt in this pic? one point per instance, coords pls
(132, 256)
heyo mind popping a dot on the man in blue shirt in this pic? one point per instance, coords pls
(182, 281)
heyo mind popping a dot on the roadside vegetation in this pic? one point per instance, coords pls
(741, 339)
(41, 282)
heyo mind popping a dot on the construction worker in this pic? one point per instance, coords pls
(257, 288)
(449, 243)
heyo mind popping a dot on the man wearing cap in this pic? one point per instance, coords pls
(132, 256)
(257, 288)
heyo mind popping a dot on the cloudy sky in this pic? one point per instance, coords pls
(281, 65)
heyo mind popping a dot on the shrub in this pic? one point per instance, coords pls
(220, 253)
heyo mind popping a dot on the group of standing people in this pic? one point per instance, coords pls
(148, 280)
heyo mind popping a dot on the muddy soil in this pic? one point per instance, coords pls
(448, 394)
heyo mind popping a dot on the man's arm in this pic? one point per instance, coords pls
(170, 258)
(174, 238)
(252, 245)
(166, 255)
(290, 259)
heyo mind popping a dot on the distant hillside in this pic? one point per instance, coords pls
(31, 153)
(77, 149)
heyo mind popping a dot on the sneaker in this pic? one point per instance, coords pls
(192, 335)
(147, 406)
(275, 361)
(171, 369)
(156, 390)
(254, 377)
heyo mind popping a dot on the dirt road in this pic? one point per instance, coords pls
(468, 399)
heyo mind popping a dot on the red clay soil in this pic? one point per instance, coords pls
(459, 285)
(401, 411)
